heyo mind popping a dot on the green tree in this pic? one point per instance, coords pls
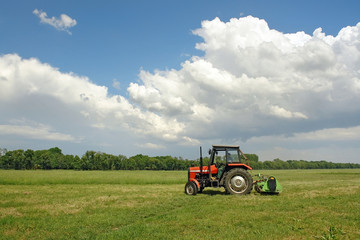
(78, 163)
(29, 159)
(68, 162)
(117, 164)
(7, 161)
(129, 164)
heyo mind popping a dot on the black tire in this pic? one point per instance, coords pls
(238, 182)
(191, 188)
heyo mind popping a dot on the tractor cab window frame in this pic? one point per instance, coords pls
(232, 155)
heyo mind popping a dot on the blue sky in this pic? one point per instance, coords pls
(140, 51)
(114, 39)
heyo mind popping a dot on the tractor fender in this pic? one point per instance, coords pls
(196, 182)
(240, 165)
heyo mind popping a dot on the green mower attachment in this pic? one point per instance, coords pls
(267, 184)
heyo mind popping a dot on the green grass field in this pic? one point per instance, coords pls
(314, 204)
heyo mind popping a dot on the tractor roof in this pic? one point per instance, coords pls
(223, 147)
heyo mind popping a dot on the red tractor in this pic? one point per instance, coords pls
(226, 170)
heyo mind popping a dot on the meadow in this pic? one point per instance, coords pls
(66, 204)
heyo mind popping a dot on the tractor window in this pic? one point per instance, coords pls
(227, 156)
(219, 158)
(232, 156)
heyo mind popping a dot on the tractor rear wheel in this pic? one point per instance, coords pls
(238, 181)
(191, 188)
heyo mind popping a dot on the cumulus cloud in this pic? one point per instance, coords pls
(46, 90)
(63, 23)
(252, 82)
(40, 132)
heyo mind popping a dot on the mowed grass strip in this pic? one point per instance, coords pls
(315, 204)
(48, 177)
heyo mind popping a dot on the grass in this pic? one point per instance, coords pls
(40, 177)
(314, 204)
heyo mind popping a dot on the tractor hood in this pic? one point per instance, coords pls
(205, 169)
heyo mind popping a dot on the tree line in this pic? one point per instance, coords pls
(53, 158)
(301, 164)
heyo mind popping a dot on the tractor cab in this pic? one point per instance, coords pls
(223, 156)
(224, 169)
(226, 154)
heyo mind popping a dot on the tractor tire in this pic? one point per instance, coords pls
(191, 188)
(238, 182)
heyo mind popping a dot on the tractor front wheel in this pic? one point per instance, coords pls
(238, 182)
(191, 188)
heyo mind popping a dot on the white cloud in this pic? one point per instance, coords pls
(116, 84)
(252, 82)
(283, 113)
(41, 132)
(329, 153)
(30, 81)
(64, 23)
(332, 134)
(151, 146)
(253, 78)
(190, 142)
(327, 134)
(332, 144)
